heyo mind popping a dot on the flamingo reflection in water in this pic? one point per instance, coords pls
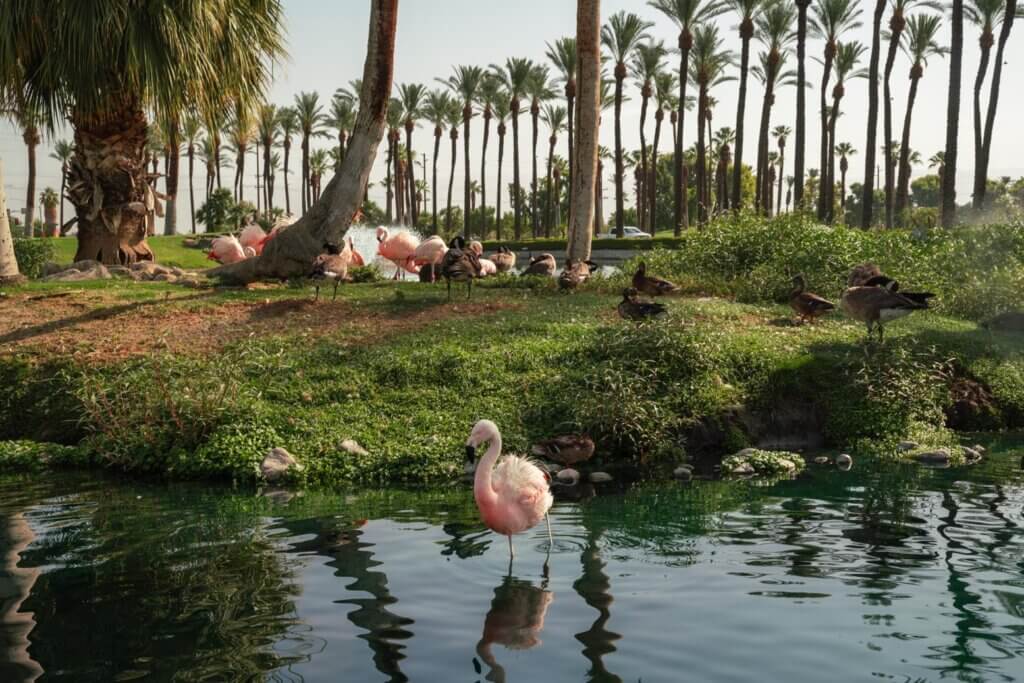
(515, 620)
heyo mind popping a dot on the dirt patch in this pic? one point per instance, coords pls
(99, 327)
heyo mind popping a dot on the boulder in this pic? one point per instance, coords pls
(844, 462)
(938, 456)
(742, 469)
(165, 277)
(51, 268)
(971, 455)
(353, 447)
(905, 446)
(600, 477)
(568, 476)
(96, 271)
(683, 473)
(277, 463)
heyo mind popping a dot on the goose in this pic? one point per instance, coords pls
(875, 306)
(504, 259)
(460, 264)
(860, 275)
(331, 265)
(567, 449)
(541, 265)
(630, 308)
(888, 283)
(649, 284)
(574, 274)
(807, 305)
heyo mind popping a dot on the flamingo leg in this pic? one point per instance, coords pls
(551, 538)
(511, 553)
(335, 297)
(316, 297)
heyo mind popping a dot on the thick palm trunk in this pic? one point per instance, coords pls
(599, 200)
(890, 165)
(433, 184)
(981, 167)
(781, 178)
(652, 214)
(535, 195)
(987, 41)
(620, 75)
(514, 198)
(570, 105)
(171, 182)
(685, 43)
(467, 114)
(550, 190)
(483, 173)
(32, 140)
(9, 273)
(454, 135)
(746, 32)
(501, 159)
(903, 186)
(641, 206)
(702, 209)
(585, 179)
(801, 102)
(762, 144)
(823, 166)
(868, 192)
(953, 116)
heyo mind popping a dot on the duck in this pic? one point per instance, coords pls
(808, 306)
(504, 259)
(430, 252)
(333, 265)
(1011, 321)
(876, 306)
(888, 283)
(649, 284)
(567, 449)
(542, 265)
(630, 308)
(860, 275)
(574, 274)
(460, 264)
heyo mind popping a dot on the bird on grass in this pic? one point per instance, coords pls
(575, 274)
(513, 494)
(333, 265)
(631, 308)
(399, 248)
(504, 259)
(876, 306)
(544, 265)
(887, 282)
(808, 306)
(460, 264)
(567, 449)
(650, 284)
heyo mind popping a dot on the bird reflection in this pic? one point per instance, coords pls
(515, 620)
(16, 583)
(466, 540)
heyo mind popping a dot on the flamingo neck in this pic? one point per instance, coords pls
(482, 489)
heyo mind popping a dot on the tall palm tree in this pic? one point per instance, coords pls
(801, 101)
(664, 97)
(868, 191)
(603, 154)
(847, 58)
(268, 127)
(830, 19)
(514, 76)
(275, 165)
(647, 67)
(707, 68)
(395, 164)
(412, 96)
(436, 109)
(564, 58)
(214, 123)
(319, 162)
(191, 129)
(208, 154)
(920, 41)
(465, 82)
(554, 117)
(956, 52)
(538, 90)
(844, 150)
(501, 112)
(311, 124)
(240, 131)
(588, 37)
(685, 14)
(775, 32)
(722, 150)
(781, 134)
(773, 75)
(62, 152)
(454, 119)
(986, 13)
(748, 10)
(897, 23)
(288, 120)
(490, 93)
(342, 118)
(621, 36)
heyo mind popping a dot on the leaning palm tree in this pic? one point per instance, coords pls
(647, 67)
(412, 96)
(773, 75)
(554, 117)
(707, 68)
(685, 14)
(191, 129)
(920, 41)
(436, 109)
(664, 98)
(288, 119)
(501, 113)
(62, 152)
(774, 31)
(465, 82)
(844, 150)
(538, 89)
(563, 56)
(781, 134)
(830, 20)
(748, 11)
(847, 58)
(621, 36)
(514, 77)
(311, 124)
(268, 127)
(490, 93)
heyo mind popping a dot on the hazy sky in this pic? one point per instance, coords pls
(327, 42)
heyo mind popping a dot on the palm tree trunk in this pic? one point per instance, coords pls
(801, 102)
(550, 190)
(641, 208)
(681, 221)
(305, 173)
(762, 143)
(981, 167)
(287, 196)
(268, 201)
(433, 194)
(702, 103)
(63, 189)
(585, 174)
(241, 174)
(399, 176)
(9, 273)
(570, 104)
(829, 186)
(890, 180)
(842, 175)
(411, 163)
(216, 157)
(171, 182)
(534, 209)
(620, 75)
(903, 186)
(741, 106)
(868, 192)
(952, 116)
(514, 198)
(979, 81)
(823, 166)
(454, 135)
(652, 217)
(32, 138)
(260, 186)
(467, 114)
(388, 181)
(483, 173)
(782, 177)
(501, 158)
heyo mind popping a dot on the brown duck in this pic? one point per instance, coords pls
(567, 449)
(541, 265)
(876, 306)
(333, 265)
(460, 264)
(504, 259)
(575, 274)
(808, 306)
(631, 308)
(649, 284)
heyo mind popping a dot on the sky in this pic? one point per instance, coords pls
(327, 43)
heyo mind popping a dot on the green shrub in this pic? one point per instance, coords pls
(32, 255)
(766, 463)
(23, 456)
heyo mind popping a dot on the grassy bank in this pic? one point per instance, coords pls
(169, 250)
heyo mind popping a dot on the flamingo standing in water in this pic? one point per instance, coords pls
(514, 495)
(398, 248)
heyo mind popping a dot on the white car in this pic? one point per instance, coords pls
(629, 232)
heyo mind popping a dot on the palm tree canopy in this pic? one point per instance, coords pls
(465, 82)
(748, 10)
(987, 14)
(164, 55)
(782, 133)
(310, 114)
(437, 105)
(342, 116)
(847, 58)
(686, 14)
(62, 151)
(776, 26)
(268, 124)
(621, 35)
(777, 69)
(832, 18)
(554, 117)
(396, 113)
(412, 96)
(920, 39)
(648, 62)
(191, 129)
(665, 87)
(845, 149)
(288, 121)
(564, 57)
(538, 86)
(351, 93)
(708, 59)
(490, 91)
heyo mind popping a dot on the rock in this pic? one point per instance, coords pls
(165, 277)
(821, 460)
(353, 447)
(742, 468)
(190, 242)
(683, 473)
(96, 271)
(600, 477)
(745, 453)
(277, 463)
(120, 271)
(939, 456)
(905, 446)
(149, 269)
(978, 447)
(51, 268)
(971, 455)
(844, 462)
(568, 476)
(190, 281)
(552, 468)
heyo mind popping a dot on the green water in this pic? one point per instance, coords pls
(892, 574)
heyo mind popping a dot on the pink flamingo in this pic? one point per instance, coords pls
(357, 258)
(512, 497)
(488, 267)
(253, 236)
(430, 252)
(227, 250)
(398, 248)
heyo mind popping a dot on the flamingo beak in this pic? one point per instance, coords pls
(470, 464)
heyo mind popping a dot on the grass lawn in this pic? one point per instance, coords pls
(169, 251)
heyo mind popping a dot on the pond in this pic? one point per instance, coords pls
(881, 573)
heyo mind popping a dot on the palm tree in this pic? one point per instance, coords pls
(275, 164)
(603, 154)
(395, 164)
(268, 126)
(707, 69)
(772, 159)
(319, 162)
(240, 131)
(748, 10)
(897, 23)
(465, 82)
(191, 129)
(621, 36)
(490, 93)
(501, 112)
(455, 117)
(563, 56)
(987, 13)
(801, 100)
(647, 67)
(311, 122)
(62, 152)
(588, 36)
(846, 59)
(831, 19)
(844, 150)
(920, 41)
(27, 118)
(781, 134)
(436, 109)
(341, 118)
(774, 30)
(288, 120)
(868, 192)
(214, 122)
(722, 150)
(412, 95)
(554, 117)
(514, 77)
(538, 90)
(685, 14)
(208, 154)
(956, 51)
(664, 97)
